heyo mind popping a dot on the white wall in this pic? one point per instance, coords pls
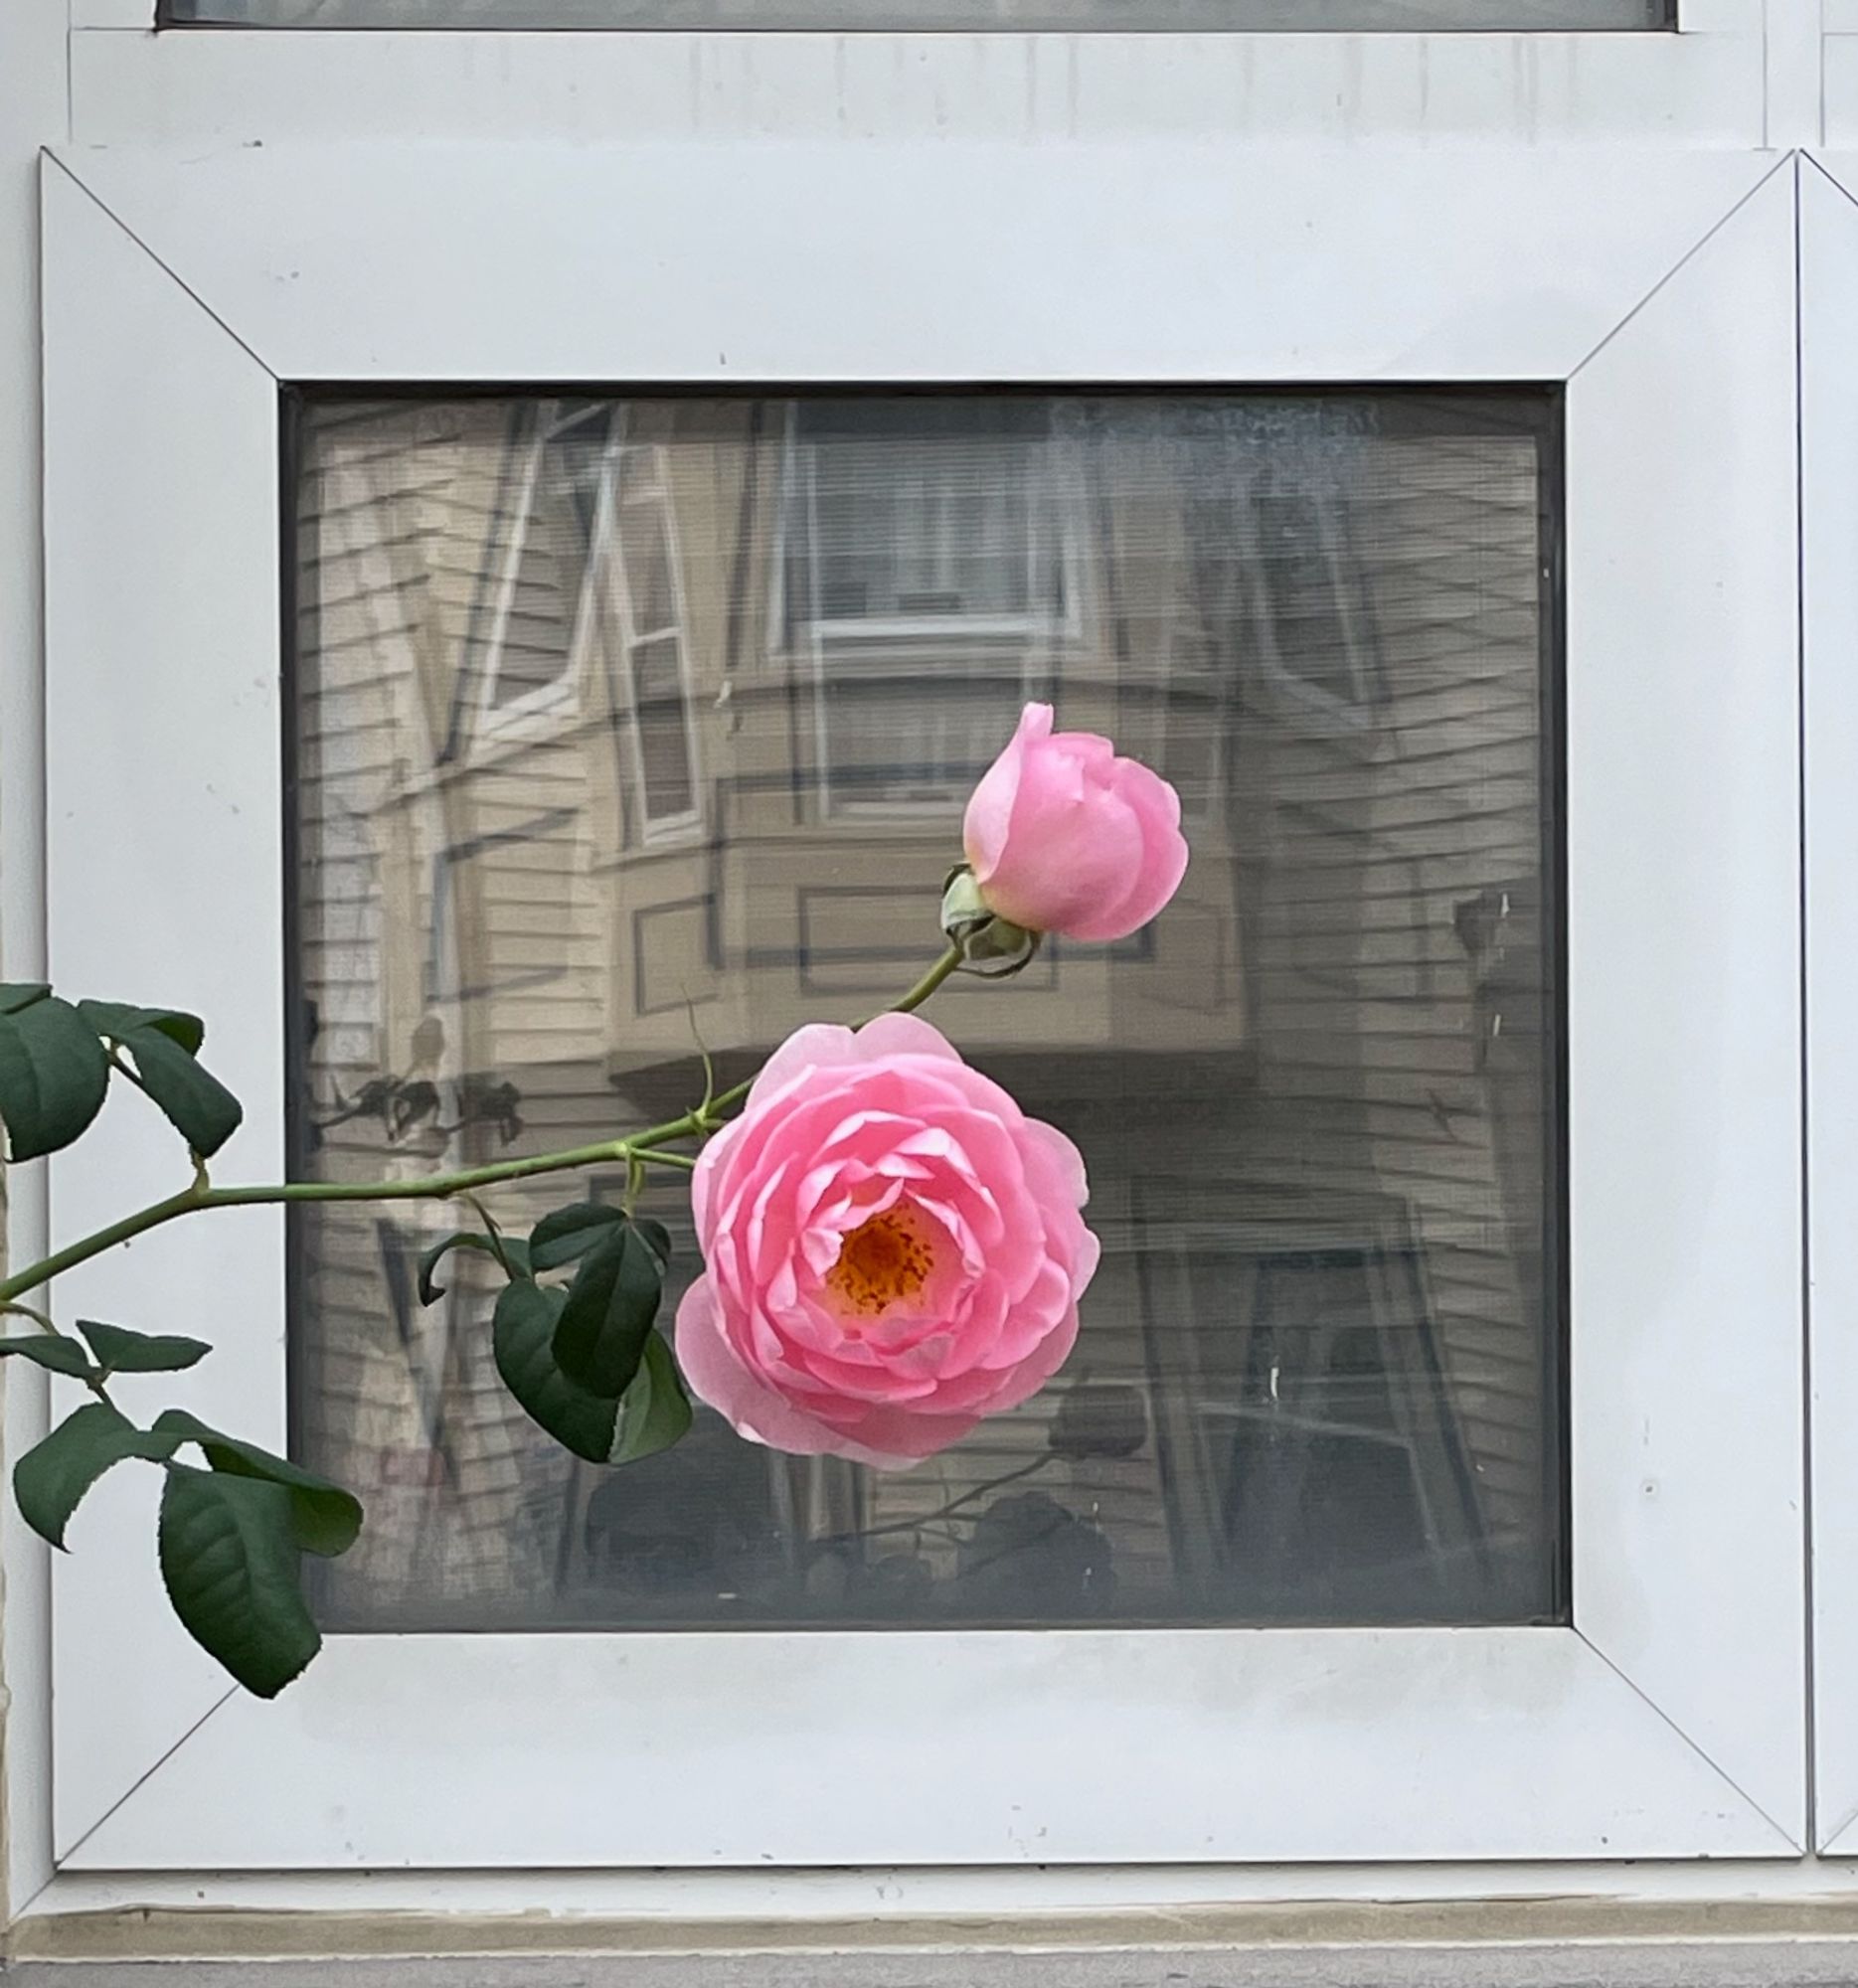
(33, 112)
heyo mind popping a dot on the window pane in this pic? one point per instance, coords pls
(647, 553)
(663, 727)
(1109, 16)
(546, 519)
(1319, 1377)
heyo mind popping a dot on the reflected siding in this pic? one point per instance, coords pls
(616, 741)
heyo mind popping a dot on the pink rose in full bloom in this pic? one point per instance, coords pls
(892, 1249)
(1065, 837)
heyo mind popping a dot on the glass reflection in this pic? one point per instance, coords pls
(628, 730)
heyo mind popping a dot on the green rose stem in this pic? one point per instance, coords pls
(643, 1148)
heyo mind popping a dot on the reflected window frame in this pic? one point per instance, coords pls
(547, 708)
(891, 648)
(618, 496)
(1326, 714)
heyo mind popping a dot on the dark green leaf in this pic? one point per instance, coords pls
(52, 1076)
(511, 1252)
(50, 1480)
(326, 1518)
(655, 1413)
(198, 1106)
(48, 1349)
(120, 1020)
(164, 1044)
(18, 994)
(656, 1233)
(566, 1233)
(231, 1564)
(611, 1305)
(522, 1338)
(126, 1352)
(513, 1248)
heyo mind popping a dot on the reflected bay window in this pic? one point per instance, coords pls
(928, 575)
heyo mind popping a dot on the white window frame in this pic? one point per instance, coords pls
(1829, 627)
(1668, 1720)
(1732, 72)
(1838, 121)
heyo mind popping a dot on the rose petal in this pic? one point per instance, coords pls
(990, 807)
(751, 1409)
(858, 1126)
(904, 1035)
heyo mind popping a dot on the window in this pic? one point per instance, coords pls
(926, 569)
(652, 639)
(1319, 1377)
(1115, 16)
(1362, 968)
(532, 609)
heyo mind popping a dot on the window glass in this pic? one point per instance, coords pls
(1110, 16)
(1320, 1372)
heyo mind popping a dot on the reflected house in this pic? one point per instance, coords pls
(633, 731)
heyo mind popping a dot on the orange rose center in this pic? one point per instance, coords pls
(883, 1262)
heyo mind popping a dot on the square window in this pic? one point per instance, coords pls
(1320, 1375)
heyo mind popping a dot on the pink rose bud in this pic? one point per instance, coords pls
(891, 1250)
(1065, 837)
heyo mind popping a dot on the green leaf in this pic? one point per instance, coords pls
(231, 1563)
(50, 1480)
(325, 1519)
(18, 994)
(164, 1044)
(655, 1413)
(522, 1338)
(198, 1106)
(126, 1352)
(514, 1250)
(611, 1305)
(55, 1354)
(566, 1233)
(52, 1076)
(120, 1020)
